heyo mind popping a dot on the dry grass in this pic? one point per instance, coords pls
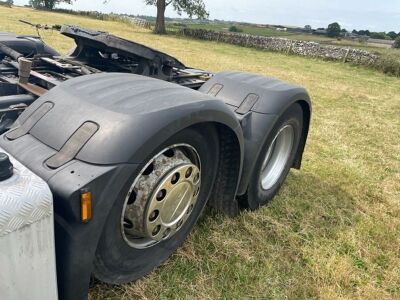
(333, 232)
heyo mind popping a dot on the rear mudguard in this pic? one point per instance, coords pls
(133, 115)
(258, 102)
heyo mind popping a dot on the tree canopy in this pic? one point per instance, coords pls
(49, 4)
(378, 35)
(190, 7)
(334, 30)
(234, 28)
(392, 35)
(397, 43)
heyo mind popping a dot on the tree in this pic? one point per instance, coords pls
(392, 35)
(397, 43)
(378, 35)
(334, 30)
(364, 32)
(233, 28)
(308, 28)
(48, 4)
(191, 7)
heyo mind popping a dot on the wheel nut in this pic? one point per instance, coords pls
(161, 194)
(188, 172)
(175, 178)
(153, 216)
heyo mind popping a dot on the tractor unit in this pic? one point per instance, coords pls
(109, 154)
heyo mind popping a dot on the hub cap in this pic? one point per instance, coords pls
(162, 197)
(277, 157)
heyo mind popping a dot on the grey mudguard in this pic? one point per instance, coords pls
(258, 102)
(135, 114)
(274, 96)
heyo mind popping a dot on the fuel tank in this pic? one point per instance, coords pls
(27, 255)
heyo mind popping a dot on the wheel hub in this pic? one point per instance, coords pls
(162, 197)
(169, 207)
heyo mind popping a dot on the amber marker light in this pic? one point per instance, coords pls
(86, 206)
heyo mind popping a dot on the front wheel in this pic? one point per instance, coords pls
(158, 208)
(276, 158)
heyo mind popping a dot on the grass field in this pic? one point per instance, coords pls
(388, 53)
(333, 232)
(245, 29)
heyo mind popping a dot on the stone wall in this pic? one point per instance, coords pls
(303, 48)
(139, 22)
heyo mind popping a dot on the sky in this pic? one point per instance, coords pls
(375, 15)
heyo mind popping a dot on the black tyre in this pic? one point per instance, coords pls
(276, 158)
(156, 211)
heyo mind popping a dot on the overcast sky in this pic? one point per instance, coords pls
(376, 15)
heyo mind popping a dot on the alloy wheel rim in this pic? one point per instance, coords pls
(277, 157)
(162, 197)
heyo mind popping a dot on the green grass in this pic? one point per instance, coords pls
(388, 60)
(254, 30)
(261, 31)
(333, 231)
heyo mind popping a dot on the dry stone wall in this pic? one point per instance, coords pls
(303, 48)
(139, 22)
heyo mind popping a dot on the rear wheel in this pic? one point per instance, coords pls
(159, 207)
(276, 158)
